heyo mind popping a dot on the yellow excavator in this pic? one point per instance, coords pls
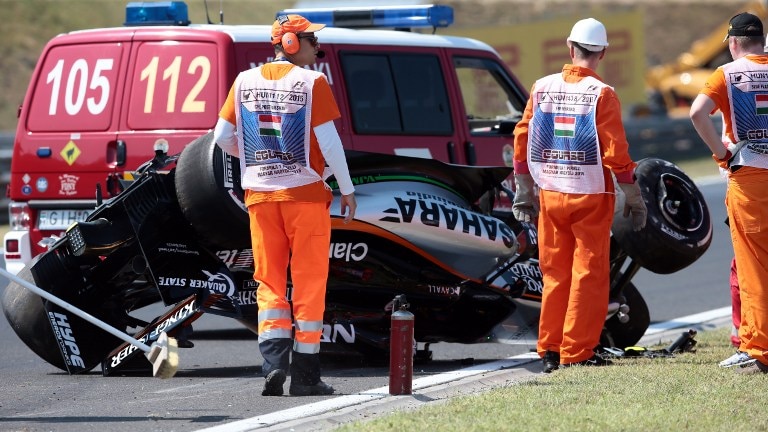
(673, 86)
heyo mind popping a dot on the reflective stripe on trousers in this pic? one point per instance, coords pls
(296, 234)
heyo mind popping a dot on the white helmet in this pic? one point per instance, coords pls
(589, 33)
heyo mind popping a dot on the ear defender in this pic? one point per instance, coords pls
(291, 43)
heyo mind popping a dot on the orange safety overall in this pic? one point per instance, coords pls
(574, 234)
(574, 251)
(747, 205)
(291, 229)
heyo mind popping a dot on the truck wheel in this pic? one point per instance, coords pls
(25, 313)
(209, 193)
(678, 229)
(621, 335)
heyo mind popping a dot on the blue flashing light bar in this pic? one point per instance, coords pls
(156, 13)
(378, 16)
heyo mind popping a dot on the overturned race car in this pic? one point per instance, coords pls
(176, 236)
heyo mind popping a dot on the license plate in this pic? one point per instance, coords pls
(60, 219)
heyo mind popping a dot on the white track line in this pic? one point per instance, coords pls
(689, 320)
(337, 403)
(340, 402)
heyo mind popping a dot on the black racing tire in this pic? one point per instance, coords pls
(209, 194)
(678, 228)
(26, 314)
(621, 335)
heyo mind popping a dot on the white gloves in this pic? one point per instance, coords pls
(634, 204)
(525, 206)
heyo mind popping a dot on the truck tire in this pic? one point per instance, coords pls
(25, 313)
(209, 194)
(679, 227)
(621, 335)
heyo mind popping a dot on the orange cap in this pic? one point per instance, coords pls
(292, 24)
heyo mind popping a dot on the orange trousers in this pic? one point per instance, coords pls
(574, 255)
(747, 204)
(296, 234)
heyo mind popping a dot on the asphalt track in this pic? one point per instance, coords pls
(330, 413)
(215, 389)
(365, 405)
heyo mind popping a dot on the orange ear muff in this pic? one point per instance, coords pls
(291, 43)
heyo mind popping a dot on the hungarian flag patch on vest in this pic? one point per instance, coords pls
(270, 125)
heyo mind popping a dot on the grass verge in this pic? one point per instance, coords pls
(685, 392)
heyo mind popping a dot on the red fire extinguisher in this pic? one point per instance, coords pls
(401, 348)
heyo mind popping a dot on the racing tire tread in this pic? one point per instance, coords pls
(661, 247)
(27, 317)
(207, 204)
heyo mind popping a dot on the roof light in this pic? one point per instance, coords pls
(156, 13)
(379, 16)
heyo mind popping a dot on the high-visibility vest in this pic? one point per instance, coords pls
(563, 146)
(747, 84)
(273, 123)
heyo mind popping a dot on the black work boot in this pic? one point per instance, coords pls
(305, 376)
(319, 389)
(595, 360)
(273, 386)
(551, 361)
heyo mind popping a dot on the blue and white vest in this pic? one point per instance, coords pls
(273, 123)
(747, 84)
(563, 147)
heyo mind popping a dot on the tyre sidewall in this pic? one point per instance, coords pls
(662, 247)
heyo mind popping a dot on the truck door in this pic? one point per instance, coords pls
(175, 90)
(491, 101)
(71, 121)
(67, 124)
(399, 103)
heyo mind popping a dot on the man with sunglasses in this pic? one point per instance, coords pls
(278, 120)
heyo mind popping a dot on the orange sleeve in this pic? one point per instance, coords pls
(324, 108)
(716, 90)
(228, 109)
(520, 156)
(613, 138)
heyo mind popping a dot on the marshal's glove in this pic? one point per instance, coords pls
(634, 204)
(525, 205)
(731, 150)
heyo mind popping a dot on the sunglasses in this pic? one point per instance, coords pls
(310, 37)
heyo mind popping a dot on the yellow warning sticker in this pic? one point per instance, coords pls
(70, 152)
